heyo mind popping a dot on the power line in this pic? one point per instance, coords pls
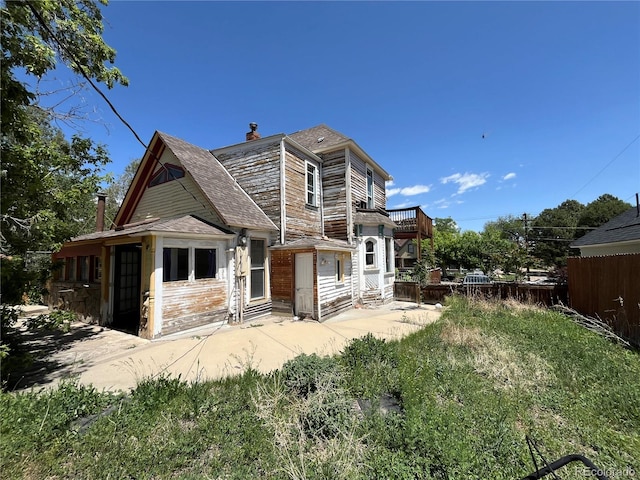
(607, 165)
(80, 68)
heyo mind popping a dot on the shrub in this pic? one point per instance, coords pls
(303, 374)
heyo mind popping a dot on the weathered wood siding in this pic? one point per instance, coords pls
(334, 297)
(282, 280)
(189, 304)
(334, 188)
(174, 198)
(359, 183)
(256, 168)
(302, 220)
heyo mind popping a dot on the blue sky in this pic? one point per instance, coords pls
(477, 109)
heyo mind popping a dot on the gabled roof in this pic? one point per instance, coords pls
(233, 204)
(321, 139)
(186, 224)
(623, 228)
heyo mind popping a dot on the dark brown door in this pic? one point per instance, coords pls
(126, 300)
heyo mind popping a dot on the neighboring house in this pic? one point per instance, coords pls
(272, 224)
(619, 235)
(406, 253)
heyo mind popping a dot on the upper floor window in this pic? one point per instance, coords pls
(312, 185)
(369, 188)
(166, 173)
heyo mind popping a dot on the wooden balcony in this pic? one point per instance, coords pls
(412, 223)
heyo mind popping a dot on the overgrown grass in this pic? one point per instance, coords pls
(455, 400)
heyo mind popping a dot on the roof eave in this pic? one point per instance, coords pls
(349, 143)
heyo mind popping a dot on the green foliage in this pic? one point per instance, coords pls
(48, 181)
(54, 320)
(303, 373)
(472, 386)
(600, 211)
(553, 230)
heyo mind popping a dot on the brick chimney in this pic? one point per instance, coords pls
(253, 134)
(100, 212)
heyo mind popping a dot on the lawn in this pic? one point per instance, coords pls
(456, 400)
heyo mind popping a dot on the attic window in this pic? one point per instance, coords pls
(165, 174)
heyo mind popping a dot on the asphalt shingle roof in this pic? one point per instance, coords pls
(232, 203)
(318, 138)
(623, 228)
(184, 224)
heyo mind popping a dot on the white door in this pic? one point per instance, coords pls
(304, 284)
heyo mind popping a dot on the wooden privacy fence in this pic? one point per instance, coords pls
(608, 288)
(537, 294)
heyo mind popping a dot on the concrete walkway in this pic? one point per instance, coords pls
(112, 360)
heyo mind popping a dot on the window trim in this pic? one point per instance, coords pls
(374, 264)
(262, 268)
(314, 193)
(191, 260)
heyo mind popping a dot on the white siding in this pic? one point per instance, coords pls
(173, 199)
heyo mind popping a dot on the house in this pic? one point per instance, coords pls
(619, 235)
(291, 224)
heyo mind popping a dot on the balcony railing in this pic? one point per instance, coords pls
(412, 221)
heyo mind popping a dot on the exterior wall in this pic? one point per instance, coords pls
(302, 219)
(189, 304)
(375, 284)
(334, 190)
(256, 168)
(80, 297)
(615, 249)
(174, 198)
(183, 304)
(334, 296)
(359, 184)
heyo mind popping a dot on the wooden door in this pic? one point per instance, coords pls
(304, 284)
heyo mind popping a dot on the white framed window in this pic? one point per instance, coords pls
(189, 263)
(370, 203)
(339, 268)
(370, 254)
(258, 256)
(312, 184)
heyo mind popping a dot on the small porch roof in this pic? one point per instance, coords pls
(373, 217)
(187, 224)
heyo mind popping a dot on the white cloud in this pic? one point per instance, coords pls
(415, 190)
(509, 176)
(466, 181)
(408, 191)
(390, 183)
(404, 205)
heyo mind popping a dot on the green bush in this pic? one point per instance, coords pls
(303, 373)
